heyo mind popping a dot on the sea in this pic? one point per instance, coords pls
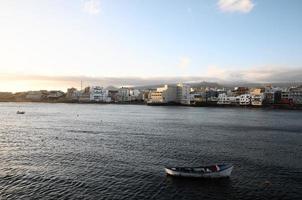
(108, 151)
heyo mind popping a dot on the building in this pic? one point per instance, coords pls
(295, 94)
(183, 94)
(223, 99)
(135, 95)
(168, 93)
(124, 94)
(163, 95)
(245, 100)
(212, 96)
(157, 97)
(72, 94)
(269, 97)
(235, 100)
(98, 94)
(85, 95)
(227, 99)
(257, 100)
(272, 95)
(113, 94)
(179, 94)
(146, 95)
(240, 91)
(284, 97)
(257, 96)
(197, 97)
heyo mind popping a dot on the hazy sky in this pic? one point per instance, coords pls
(249, 40)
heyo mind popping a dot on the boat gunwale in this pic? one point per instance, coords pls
(228, 166)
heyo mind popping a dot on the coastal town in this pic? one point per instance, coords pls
(171, 94)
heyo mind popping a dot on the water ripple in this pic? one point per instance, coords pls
(63, 151)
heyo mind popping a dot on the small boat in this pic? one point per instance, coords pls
(20, 112)
(212, 171)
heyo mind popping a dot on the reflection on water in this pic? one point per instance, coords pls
(73, 151)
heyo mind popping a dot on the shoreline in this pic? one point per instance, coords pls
(208, 105)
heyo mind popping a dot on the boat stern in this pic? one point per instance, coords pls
(227, 171)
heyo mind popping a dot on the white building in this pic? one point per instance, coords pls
(257, 100)
(166, 94)
(99, 94)
(169, 93)
(183, 94)
(135, 95)
(134, 92)
(223, 99)
(124, 94)
(295, 94)
(235, 100)
(245, 99)
(179, 93)
(156, 97)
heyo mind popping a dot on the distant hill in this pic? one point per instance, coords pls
(192, 84)
(204, 84)
(228, 85)
(111, 87)
(250, 85)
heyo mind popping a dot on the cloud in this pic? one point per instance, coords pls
(38, 82)
(264, 74)
(270, 74)
(184, 62)
(243, 6)
(258, 74)
(91, 7)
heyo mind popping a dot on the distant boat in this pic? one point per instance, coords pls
(212, 171)
(20, 112)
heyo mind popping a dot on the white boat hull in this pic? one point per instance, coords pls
(218, 174)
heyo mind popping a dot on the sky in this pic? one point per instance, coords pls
(53, 44)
